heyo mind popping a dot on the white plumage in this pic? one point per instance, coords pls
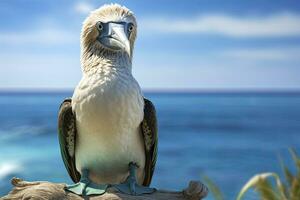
(108, 130)
(109, 109)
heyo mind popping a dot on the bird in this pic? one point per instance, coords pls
(107, 130)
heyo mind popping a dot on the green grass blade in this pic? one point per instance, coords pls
(296, 160)
(214, 189)
(295, 190)
(252, 184)
(260, 183)
(287, 174)
(266, 190)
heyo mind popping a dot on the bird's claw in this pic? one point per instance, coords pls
(85, 187)
(130, 186)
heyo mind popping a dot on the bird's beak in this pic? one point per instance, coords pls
(116, 38)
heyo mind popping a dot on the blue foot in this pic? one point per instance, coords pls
(85, 187)
(130, 186)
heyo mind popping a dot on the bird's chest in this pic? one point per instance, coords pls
(109, 111)
(110, 102)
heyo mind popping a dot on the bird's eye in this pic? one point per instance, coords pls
(99, 26)
(130, 27)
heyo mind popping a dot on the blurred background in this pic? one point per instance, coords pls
(224, 77)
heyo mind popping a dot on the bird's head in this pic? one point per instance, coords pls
(109, 31)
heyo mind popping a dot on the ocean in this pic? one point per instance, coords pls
(228, 137)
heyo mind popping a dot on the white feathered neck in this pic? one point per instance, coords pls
(94, 59)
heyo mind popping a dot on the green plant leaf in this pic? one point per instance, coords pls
(213, 188)
(295, 190)
(266, 190)
(264, 187)
(296, 160)
(288, 175)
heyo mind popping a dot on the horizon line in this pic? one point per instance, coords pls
(162, 90)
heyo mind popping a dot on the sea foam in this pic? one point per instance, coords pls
(9, 168)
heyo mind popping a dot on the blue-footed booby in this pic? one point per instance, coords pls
(108, 130)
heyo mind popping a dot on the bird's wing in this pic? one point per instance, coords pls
(149, 131)
(67, 138)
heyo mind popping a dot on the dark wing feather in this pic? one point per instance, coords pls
(67, 138)
(149, 131)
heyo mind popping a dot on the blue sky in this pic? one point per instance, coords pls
(181, 44)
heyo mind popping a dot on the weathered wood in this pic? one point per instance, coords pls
(42, 190)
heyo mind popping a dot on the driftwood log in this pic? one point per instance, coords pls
(42, 190)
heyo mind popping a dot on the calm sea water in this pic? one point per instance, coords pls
(228, 137)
